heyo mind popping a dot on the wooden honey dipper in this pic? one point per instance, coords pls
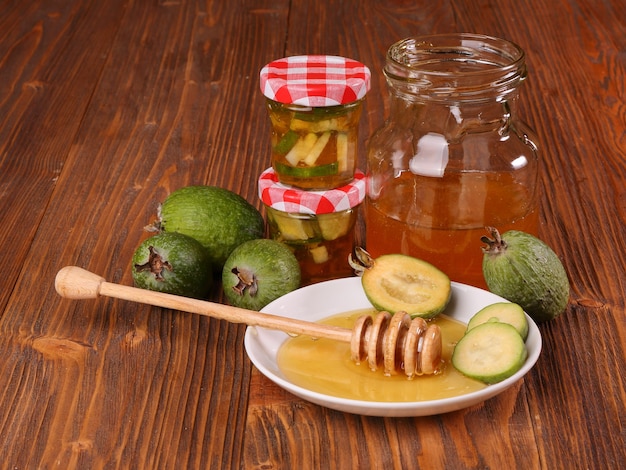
(397, 342)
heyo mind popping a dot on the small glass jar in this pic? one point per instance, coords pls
(452, 157)
(318, 226)
(314, 104)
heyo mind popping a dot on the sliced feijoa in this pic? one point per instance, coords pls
(504, 312)
(342, 151)
(317, 149)
(301, 149)
(293, 228)
(334, 225)
(306, 171)
(490, 352)
(397, 282)
(319, 254)
(325, 125)
(286, 143)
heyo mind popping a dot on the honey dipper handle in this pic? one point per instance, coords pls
(73, 282)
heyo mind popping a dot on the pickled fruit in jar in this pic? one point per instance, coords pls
(321, 242)
(291, 228)
(316, 148)
(304, 228)
(333, 226)
(318, 226)
(314, 105)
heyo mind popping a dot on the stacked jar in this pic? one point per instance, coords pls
(313, 189)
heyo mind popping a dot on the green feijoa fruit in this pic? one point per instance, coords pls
(504, 312)
(397, 282)
(258, 272)
(491, 352)
(524, 270)
(173, 263)
(218, 218)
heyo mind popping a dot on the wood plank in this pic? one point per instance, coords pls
(463, 439)
(47, 79)
(165, 112)
(568, 101)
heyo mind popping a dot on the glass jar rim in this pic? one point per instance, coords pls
(461, 65)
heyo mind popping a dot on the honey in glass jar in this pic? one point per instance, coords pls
(452, 157)
(314, 104)
(318, 226)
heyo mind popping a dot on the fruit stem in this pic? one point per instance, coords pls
(247, 282)
(363, 261)
(155, 264)
(494, 246)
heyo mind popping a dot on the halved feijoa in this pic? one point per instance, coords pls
(490, 352)
(504, 312)
(397, 282)
(523, 269)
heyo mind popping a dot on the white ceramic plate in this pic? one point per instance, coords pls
(325, 299)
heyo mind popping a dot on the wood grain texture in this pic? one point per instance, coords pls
(46, 81)
(478, 437)
(136, 139)
(106, 107)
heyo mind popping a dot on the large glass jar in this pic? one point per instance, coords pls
(314, 104)
(452, 157)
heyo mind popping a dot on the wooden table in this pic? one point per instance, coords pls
(106, 107)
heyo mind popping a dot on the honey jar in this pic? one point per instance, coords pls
(314, 104)
(453, 155)
(318, 226)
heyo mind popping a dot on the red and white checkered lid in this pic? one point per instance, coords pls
(285, 198)
(315, 80)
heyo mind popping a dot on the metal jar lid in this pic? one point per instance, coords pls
(285, 198)
(315, 80)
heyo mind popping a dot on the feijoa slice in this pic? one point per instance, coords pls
(334, 225)
(307, 171)
(286, 143)
(504, 312)
(490, 352)
(525, 270)
(396, 282)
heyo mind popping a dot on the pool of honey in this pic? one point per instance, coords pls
(324, 366)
